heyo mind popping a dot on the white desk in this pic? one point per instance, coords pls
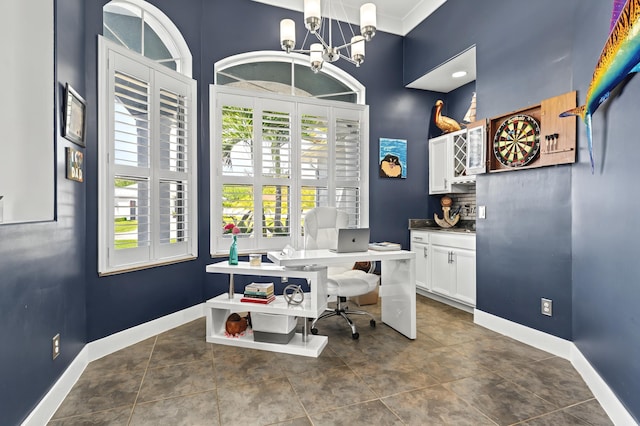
(398, 285)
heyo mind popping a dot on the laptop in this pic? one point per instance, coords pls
(352, 240)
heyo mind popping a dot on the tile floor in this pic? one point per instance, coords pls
(454, 373)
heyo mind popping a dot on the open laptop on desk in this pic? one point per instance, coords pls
(352, 240)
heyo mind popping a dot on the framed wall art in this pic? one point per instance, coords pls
(393, 158)
(75, 165)
(75, 111)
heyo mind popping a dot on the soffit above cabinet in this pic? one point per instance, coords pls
(439, 79)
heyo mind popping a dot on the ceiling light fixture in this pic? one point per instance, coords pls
(325, 51)
(459, 74)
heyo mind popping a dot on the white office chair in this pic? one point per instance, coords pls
(321, 226)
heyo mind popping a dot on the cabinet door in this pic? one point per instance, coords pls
(476, 147)
(464, 264)
(439, 166)
(441, 270)
(422, 265)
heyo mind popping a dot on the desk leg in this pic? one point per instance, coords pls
(305, 329)
(231, 286)
(398, 296)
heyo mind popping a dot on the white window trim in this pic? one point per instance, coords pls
(106, 173)
(165, 29)
(220, 248)
(294, 59)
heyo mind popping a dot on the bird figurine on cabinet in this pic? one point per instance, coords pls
(446, 124)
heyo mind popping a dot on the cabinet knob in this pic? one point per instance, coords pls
(424, 249)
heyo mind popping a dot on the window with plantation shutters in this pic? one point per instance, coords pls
(147, 202)
(276, 157)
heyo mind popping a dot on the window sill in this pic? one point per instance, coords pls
(146, 266)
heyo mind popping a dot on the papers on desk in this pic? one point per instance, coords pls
(385, 246)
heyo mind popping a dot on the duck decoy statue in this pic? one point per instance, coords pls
(619, 58)
(446, 124)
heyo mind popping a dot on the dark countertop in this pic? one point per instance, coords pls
(463, 226)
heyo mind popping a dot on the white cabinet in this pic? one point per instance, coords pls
(448, 164)
(446, 266)
(421, 247)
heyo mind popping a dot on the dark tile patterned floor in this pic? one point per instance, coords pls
(454, 373)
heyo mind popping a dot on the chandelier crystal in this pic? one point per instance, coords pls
(324, 50)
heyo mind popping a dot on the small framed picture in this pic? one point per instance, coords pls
(393, 158)
(75, 111)
(75, 165)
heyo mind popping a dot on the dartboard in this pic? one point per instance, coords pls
(517, 141)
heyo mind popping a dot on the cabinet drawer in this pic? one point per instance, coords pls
(420, 237)
(458, 241)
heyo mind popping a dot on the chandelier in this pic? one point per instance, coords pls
(324, 50)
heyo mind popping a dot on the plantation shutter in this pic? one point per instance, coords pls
(175, 219)
(274, 158)
(314, 158)
(348, 153)
(147, 213)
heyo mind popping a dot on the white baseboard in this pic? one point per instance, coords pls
(538, 339)
(115, 342)
(564, 349)
(603, 393)
(50, 403)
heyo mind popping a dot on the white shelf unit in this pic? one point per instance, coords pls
(220, 307)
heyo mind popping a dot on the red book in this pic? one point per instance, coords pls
(254, 300)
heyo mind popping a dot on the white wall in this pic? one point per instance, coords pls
(26, 111)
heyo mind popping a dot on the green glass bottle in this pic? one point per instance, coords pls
(233, 251)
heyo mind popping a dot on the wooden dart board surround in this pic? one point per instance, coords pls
(533, 137)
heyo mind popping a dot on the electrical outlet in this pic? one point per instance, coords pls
(284, 280)
(546, 306)
(482, 212)
(55, 348)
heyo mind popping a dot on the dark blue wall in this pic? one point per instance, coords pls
(556, 232)
(42, 265)
(606, 271)
(536, 219)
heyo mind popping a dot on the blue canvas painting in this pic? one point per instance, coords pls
(393, 158)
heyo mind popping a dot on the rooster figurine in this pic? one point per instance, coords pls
(446, 124)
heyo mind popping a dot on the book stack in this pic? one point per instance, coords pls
(258, 293)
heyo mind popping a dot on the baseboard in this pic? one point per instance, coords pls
(603, 393)
(115, 342)
(538, 339)
(445, 300)
(564, 349)
(50, 403)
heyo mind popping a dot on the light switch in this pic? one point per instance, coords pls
(482, 212)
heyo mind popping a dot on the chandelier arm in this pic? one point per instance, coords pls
(324, 43)
(347, 58)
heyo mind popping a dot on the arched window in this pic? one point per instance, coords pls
(287, 74)
(283, 141)
(141, 27)
(147, 140)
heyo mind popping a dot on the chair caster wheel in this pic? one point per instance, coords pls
(314, 331)
(372, 323)
(355, 336)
